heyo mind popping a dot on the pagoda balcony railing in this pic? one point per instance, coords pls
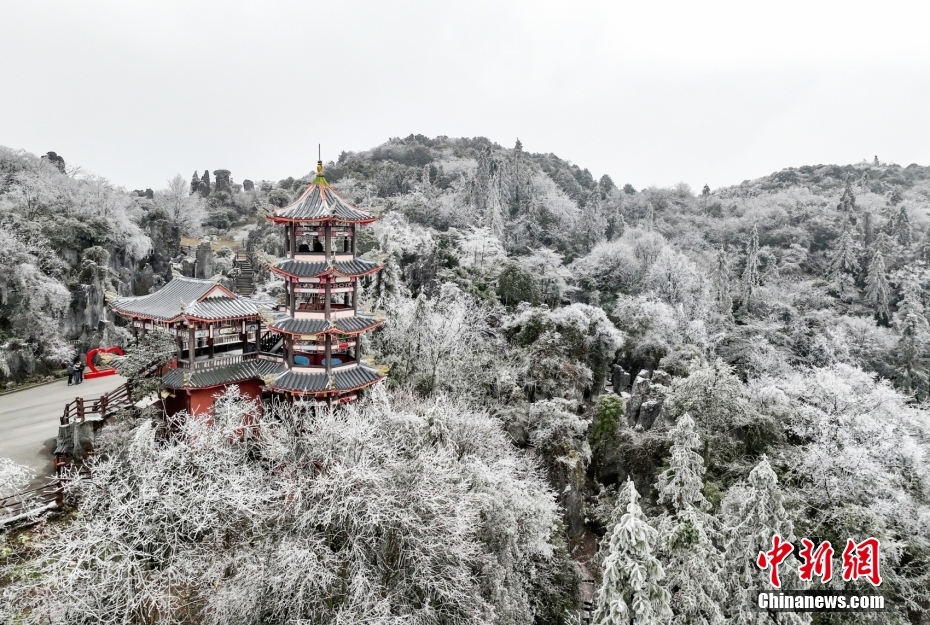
(212, 363)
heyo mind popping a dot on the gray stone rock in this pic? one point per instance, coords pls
(620, 379)
(204, 267)
(661, 377)
(649, 412)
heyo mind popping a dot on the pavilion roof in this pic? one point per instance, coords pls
(310, 269)
(344, 380)
(209, 378)
(188, 298)
(320, 203)
(342, 325)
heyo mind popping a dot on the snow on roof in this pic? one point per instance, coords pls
(188, 298)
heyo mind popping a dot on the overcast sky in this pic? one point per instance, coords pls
(652, 93)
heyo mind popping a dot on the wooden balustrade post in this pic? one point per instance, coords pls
(103, 406)
(80, 408)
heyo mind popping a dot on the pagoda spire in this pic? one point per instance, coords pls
(319, 167)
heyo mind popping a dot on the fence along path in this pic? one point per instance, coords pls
(79, 409)
(28, 503)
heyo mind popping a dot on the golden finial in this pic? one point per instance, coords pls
(319, 163)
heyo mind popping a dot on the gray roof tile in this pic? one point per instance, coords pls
(344, 325)
(346, 380)
(320, 203)
(310, 269)
(207, 378)
(180, 298)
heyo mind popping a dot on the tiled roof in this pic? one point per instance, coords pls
(222, 308)
(207, 378)
(356, 267)
(301, 268)
(187, 297)
(346, 380)
(300, 326)
(309, 269)
(343, 325)
(356, 324)
(320, 203)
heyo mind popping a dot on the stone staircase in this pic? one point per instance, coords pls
(245, 283)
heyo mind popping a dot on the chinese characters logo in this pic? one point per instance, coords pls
(860, 560)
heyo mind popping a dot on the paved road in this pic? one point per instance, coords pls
(29, 419)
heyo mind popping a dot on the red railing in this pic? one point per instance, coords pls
(81, 408)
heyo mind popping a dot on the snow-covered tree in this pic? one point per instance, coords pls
(751, 272)
(902, 229)
(720, 284)
(631, 589)
(681, 485)
(752, 513)
(693, 566)
(877, 290)
(13, 477)
(392, 511)
(444, 343)
(845, 256)
(848, 199)
(184, 212)
(914, 332)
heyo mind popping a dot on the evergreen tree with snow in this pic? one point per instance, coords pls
(844, 256)
(752, 513)
(630, 590)
(721, 284)
(848, 199)
(902, 229)
(681, 485)
(914, 331)
(751, 272)
(877, 291)
(591, 226)
(692, 563)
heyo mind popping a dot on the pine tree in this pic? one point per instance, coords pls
(751, 273)
(195, 183)
(902, 229)
(692, 563)
(895, 198)
(877, 291)
(681, 484)
(705, 194)
(752, 513)
(721, 284)
(630, 590)
(591, 226)
(914, 338)
(848, 199)
(844, 256)
(650, 217)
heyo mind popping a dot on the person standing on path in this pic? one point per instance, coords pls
(79, 369)
(70, 373)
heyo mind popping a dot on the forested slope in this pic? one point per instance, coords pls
(785, 316)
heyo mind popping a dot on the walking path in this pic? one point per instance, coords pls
(29, 419)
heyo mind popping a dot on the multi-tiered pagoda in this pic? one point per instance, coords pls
(322, 328)
(311, 347)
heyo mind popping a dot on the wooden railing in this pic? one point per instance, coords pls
(222, 361)
(18, 505)
(79, 409)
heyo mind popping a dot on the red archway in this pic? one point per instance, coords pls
(96, 372)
